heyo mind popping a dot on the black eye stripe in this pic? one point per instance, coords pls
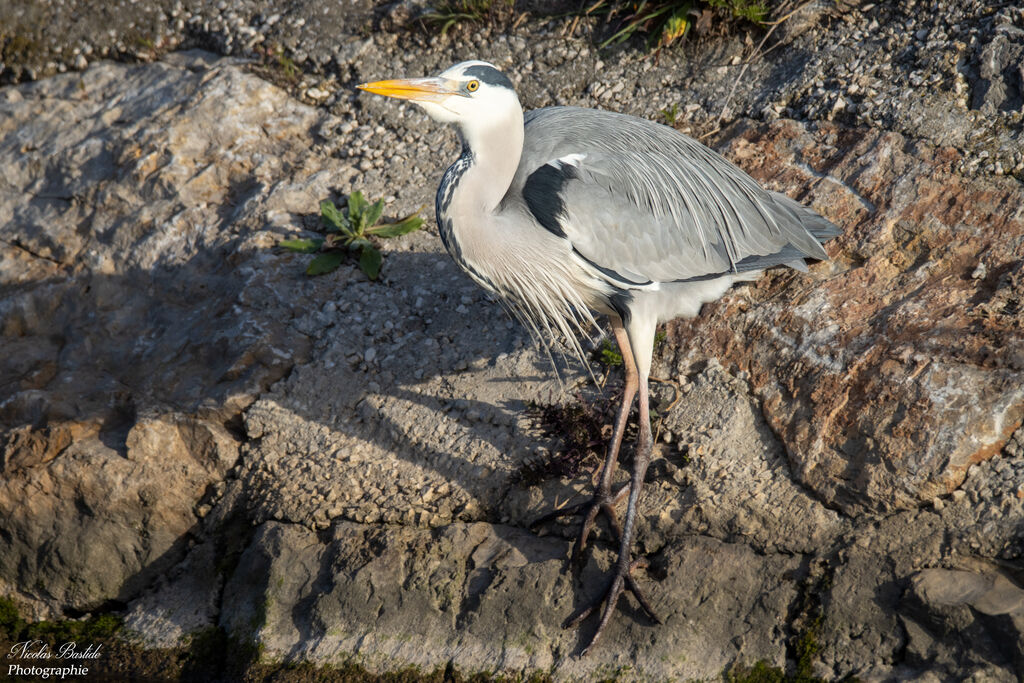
(489, 75)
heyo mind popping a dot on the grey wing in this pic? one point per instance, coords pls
(644, 203)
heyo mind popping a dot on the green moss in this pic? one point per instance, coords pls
(11, 623)
(617, 674)
(761, 672)
(97, 627)
(211, 654)
(807, 649)
(19, 49)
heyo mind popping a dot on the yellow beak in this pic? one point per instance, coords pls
(417, 89)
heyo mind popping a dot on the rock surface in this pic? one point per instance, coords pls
(466, 583)
(893, 368)
(331, 466)
(138, 320)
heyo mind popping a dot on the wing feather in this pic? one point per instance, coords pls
(645, 201)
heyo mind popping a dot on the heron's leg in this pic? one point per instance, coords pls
(604, 500)
(624, 565)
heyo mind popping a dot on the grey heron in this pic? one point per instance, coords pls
(565, 211)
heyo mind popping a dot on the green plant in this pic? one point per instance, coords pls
(656, 18)
(287, 65)
(606, 354)
(665, 21)
(349, 231)
(671, 114)
(452, 12)
(754, 11)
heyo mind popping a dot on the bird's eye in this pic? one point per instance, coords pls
(473, 86)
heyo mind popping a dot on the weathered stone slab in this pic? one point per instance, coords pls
(493, 597)
(100, 521)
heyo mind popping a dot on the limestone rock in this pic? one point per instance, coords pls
(101, 520)
(991, 593)
(328, 466)
(184, 600)
(1000, 78)
(738, 485)
(888, 371)
(134, 210)
(979, 613)
(458, 594)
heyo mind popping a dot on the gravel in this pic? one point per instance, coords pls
(915, 67)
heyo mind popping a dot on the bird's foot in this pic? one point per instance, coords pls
(602, 501)
(622, 581)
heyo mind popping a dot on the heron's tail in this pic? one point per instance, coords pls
(806, 229)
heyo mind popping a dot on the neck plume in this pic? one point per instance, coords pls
(527, 266)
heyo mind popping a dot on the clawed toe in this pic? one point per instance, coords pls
(601, 502)
(556, 514)
(637, 593)
(621, 581)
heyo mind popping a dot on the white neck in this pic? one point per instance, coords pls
(473, 187)
(496, 146)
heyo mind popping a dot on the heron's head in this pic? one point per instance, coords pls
(470, 94)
